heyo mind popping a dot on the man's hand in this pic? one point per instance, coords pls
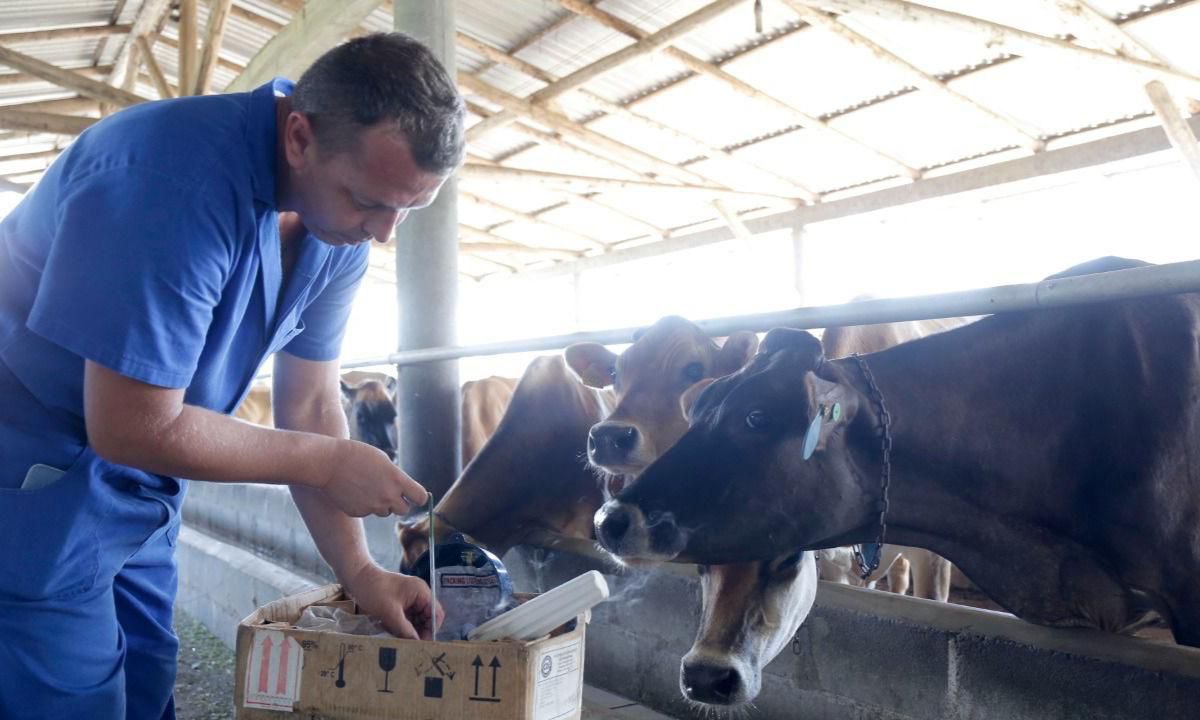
(361, 480)
(402, 603)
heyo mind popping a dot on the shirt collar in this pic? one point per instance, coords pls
(263, 136)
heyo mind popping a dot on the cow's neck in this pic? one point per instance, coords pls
(927, 386)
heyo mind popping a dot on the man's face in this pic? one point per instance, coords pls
(346, 197)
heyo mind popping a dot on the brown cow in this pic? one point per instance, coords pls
(1050, 454)
(483, 405)
(530, 481)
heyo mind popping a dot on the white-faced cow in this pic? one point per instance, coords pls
(1052, 455)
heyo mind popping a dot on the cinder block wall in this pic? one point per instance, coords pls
(864, 655)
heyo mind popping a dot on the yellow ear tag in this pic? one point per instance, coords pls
(812, 436)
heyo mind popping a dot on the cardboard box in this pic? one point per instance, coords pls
(282, 670)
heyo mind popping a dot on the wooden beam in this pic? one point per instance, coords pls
(997, 35)
(269, 24)
(508, 247)
(499, 57)
(561, 123)
(223, 63)
(1100, 28)
(1025, 134)
(30, 156)
(67, 78)
(62, 106)
(320, 26)
(187, 47)
(585, 183)
(642, 47)
(1175, 124)
(64, 33)
(650, 229)
(146, 22)
(732, 221)
(533, 219)
(44, 122)
(156, 73)
(214, 35)
(7, 185)
(704, 67)
(484, 237)
(20, 78)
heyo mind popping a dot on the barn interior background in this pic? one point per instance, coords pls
(630, 159)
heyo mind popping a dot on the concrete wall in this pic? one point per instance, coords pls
(863, 654)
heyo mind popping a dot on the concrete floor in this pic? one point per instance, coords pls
(204, 686)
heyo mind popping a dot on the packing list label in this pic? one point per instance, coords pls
(273, 673)
(559, 679)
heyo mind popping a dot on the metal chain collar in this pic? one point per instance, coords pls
(885, 422)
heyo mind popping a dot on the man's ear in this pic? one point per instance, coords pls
(592, 363)
(837, 404)
(735, 353)
(688, 400)
(299, 139)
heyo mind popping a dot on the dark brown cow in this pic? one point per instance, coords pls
(930, 572)
(1052, 455)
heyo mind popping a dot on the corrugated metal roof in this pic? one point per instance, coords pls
(872, 108)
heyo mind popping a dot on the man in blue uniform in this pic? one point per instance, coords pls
(163, 256)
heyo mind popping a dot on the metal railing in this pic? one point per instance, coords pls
(1057, 292)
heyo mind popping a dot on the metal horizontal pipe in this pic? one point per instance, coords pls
(1099, 287)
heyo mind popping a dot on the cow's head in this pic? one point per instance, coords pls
(530, 481)
(750, 610)
(648, 380)
(737, 486)
(371, 413)
(750, 613)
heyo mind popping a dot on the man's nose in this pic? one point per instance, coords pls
(381, 227)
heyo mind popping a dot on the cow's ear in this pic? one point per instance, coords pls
(735, 353)
(687, 401)
(593, 363)
(833, 407)
(390, 383)
(348, 390)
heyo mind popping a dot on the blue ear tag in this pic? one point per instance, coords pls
(812, 436)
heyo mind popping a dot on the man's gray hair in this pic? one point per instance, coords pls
(385, 78)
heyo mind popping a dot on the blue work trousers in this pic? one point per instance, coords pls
(87, 583)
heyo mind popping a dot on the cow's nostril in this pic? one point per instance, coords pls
(626, 438)
(614, 528)
(712, 684)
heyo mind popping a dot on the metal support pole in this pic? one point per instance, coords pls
(429, 437)
(800, 264)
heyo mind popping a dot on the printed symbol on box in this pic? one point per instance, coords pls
(478, 665)
(547, 666)
(273, 673)
(434, 683)
(340, 668)
(387, 663)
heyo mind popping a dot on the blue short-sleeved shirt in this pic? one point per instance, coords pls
(151, 246)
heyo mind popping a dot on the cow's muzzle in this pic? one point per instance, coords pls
(625, 531)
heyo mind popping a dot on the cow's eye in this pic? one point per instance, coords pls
(693, 372)
(757, 420)
(788, 563)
